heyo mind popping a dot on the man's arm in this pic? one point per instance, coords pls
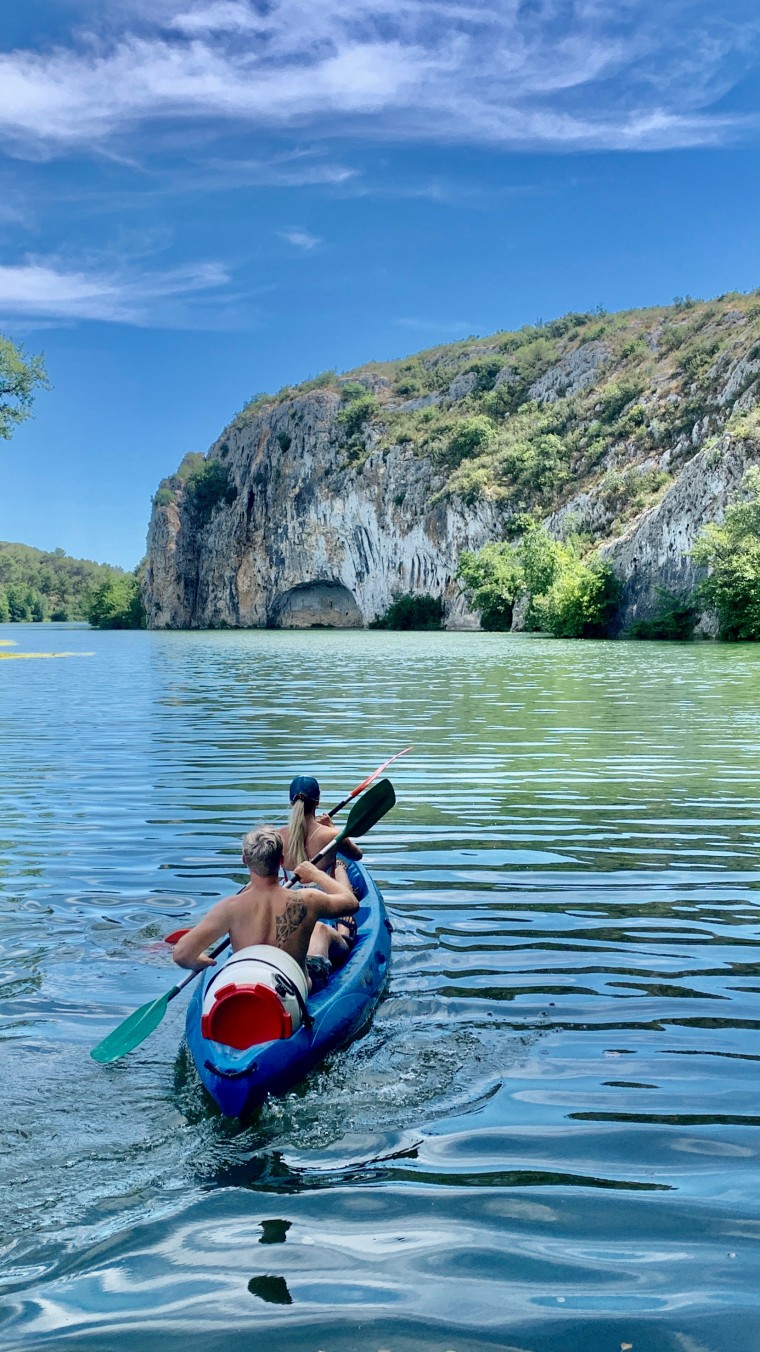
(188, 952)
(330, 898)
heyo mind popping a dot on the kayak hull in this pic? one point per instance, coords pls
(239, 1081)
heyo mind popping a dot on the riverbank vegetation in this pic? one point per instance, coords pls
(561, 588)
(731, 553)
(38, 585)
(412, 612)
(567, 590)
(117, 604)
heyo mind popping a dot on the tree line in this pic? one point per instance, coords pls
(38, 585)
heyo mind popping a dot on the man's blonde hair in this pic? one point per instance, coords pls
(262, 851)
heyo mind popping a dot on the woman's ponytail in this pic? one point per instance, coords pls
(296, 835)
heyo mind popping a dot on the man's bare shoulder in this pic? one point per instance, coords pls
(224, 905)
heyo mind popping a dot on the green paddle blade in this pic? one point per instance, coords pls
(134, 1030)
(368, 809)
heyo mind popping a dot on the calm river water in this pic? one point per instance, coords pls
(548, 1138)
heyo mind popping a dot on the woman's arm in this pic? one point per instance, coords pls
(347, 847)
(189, 951)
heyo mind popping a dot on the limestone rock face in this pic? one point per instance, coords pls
(462, 385)
(656, 551)
(575, 372)
(309, 539)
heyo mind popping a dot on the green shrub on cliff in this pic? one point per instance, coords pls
(485, 370)
(353, 389)
(207, 487)
(471, 438)
(358, 407)
(524, 462)
(731, 552)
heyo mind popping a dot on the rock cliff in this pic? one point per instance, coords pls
(307, 539)
(320, 505)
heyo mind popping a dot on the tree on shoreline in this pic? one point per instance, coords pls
(731, 552)
(568, 595)
(20, 377)
(117, 604)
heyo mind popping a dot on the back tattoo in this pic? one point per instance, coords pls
(287, 924)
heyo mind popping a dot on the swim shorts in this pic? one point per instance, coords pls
(319, 971)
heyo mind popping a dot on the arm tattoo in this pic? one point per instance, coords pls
(287, 924)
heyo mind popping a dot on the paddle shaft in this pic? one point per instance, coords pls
(366, 782)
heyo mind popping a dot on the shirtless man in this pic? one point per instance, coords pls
(266, 913)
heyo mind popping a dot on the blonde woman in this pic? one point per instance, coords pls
(306, 834)
(303, 837)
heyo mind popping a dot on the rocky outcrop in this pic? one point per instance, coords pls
(309, 539)
(322, 505)
(656, 552)
(577, 371)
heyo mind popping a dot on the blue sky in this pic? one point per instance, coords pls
(201, 199)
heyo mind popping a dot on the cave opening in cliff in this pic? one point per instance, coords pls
(315, 605)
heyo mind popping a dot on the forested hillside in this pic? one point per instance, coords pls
(39, 585)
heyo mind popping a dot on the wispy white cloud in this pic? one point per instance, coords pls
(293, 170)
(563, 74)
(442, 328)
(52, 290)
(223, 16)
(301, 239)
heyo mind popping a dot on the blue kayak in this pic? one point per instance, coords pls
(239, 1080)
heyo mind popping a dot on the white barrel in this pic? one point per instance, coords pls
(268, 966)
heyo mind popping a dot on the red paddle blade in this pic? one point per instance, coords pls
(370, 778)
(175, 936)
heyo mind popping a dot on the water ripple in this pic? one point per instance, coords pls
(547, 1138)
